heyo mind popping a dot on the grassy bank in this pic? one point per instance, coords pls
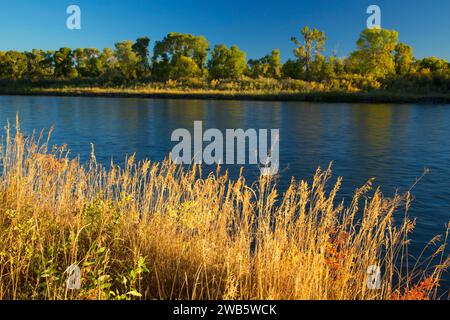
(233, 94)
(153, 231)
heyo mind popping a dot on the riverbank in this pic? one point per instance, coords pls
(314, 96)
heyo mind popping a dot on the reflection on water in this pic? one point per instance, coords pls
(393, 143)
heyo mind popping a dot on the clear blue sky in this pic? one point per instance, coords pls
(256, 26)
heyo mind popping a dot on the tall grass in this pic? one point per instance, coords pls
(156, 231)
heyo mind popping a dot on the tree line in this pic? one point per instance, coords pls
(379, 61)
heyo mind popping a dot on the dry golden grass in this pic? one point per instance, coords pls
(155, 231)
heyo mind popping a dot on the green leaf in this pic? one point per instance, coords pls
(134, 293)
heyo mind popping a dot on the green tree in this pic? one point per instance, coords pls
(127, 60)
(318, 68)
(329, 69)
(108, 64)
(48, 64)
(140, 47)
(37, 65)
(93, 62)
(375, 54)
(184, 67)
(404, 59)
(227, 63)
(174, 51)
(13, 65)
(64, 64)
(267, 67)
(311, 48)
(80, 62)
(339, 66)
(291, 69)
(433, 64)
(88, 62)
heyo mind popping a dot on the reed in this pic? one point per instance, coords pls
(156, 231)
(252, 94)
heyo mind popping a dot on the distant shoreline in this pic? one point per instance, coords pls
(324, 97)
